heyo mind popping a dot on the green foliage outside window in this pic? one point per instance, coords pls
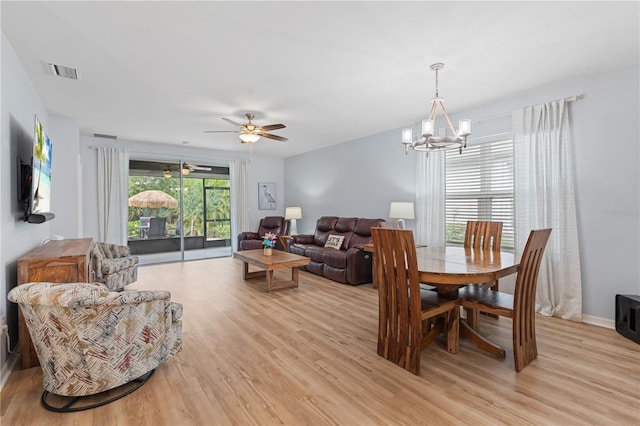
(455, 232)
(218, 205)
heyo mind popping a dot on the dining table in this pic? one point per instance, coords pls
(451, 267)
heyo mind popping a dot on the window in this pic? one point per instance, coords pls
(479, 186)
(218, 209)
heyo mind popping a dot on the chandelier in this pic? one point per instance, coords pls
(428, 141)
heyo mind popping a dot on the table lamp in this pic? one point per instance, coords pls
(401, 211)
(293, 213)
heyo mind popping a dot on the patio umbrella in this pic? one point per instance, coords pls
(153, 199)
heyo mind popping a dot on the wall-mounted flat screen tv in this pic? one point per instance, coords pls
(41, 171)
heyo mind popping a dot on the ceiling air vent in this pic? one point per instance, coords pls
(62, 71)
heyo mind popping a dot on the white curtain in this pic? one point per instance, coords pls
(544, 198)
(113, 184)
(430, 199)
(239, 200)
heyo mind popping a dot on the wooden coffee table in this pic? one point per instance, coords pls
(278, 260)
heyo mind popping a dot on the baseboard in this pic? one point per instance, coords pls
(7, 368)
(601, 322)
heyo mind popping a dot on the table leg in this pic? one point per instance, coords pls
(269, 279)
(480, 341)
(246, 274)
(245, 271)
(294, 275)
(446, 291)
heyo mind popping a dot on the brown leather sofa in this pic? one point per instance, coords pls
(253, 240)
(349, 265)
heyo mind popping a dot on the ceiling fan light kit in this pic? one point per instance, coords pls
(249, 137)
(428, 141)
(251, 133)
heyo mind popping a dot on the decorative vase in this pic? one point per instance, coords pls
(267, 251)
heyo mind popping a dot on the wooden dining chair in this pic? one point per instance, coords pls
(484, 235)
(410, 319)
(520, 306)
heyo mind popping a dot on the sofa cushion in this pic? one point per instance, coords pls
(362, 232)
(315, 253)
(298, 249)
(345, 224)
(324, 226)
(335, 258)
(334, 241)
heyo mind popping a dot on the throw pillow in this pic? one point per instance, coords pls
(334, 241)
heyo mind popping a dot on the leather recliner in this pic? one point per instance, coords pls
(277, 225)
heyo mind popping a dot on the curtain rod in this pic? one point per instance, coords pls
(573, 98)
(185, 158)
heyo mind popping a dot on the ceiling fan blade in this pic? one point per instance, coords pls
(233, 123)
(222, 131)
(273, 127)
(275, 137)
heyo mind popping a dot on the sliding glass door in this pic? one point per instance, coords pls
(178, 211)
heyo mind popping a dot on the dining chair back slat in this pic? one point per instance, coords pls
(482, 235)
(408, 319)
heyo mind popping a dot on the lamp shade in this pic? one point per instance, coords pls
(401, 210)
(293, 213)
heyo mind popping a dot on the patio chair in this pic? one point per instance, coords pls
(157, 227)
(144, 226)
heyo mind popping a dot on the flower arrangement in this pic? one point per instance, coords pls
(269, 240)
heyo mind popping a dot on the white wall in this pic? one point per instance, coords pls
(66, 202)
(20, 102)
(361, 178)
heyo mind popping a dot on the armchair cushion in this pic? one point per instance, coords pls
(89, 339)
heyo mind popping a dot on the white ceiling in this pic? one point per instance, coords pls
(330, 71)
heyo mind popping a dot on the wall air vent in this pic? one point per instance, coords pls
(100, 135)
(62, 71)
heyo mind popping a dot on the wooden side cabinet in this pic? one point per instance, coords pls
(58, 261)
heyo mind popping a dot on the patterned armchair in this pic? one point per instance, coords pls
(90, 340)
(113, 266)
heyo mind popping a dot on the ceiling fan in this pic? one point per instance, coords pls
(251, 133)
(188, 168)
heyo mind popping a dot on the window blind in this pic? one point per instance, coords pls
(479, 186)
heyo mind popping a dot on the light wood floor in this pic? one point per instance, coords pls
(308, 356)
